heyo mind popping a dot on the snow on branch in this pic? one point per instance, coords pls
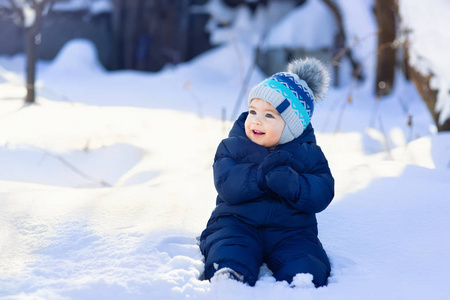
(28, 12)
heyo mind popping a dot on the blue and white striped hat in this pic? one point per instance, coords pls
(293, 93)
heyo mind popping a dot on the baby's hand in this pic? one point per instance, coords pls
(273, 160)
(284, 181)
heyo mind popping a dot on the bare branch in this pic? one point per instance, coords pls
(75, 169)
(19, 13)
(341, 37)
(33, 3)
(79, 172)
(50, 6)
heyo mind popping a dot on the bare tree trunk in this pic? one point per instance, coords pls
(385, 14)
(31, 35)
(31, 48)
(31, 44)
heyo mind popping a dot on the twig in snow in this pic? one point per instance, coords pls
(386, 141)
(75, 169)
(194, 97)
(79, 172)
(341, 114)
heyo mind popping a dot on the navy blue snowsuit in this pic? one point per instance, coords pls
(266, 206)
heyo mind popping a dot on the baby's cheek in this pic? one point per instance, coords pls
(247, 127)
(247, 133)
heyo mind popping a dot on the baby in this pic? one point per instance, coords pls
(272, 178)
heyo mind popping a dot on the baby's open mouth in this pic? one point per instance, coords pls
(257, 132)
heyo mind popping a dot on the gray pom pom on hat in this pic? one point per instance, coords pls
(313, 72)
(293, 94)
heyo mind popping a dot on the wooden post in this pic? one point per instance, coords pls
(385, 15)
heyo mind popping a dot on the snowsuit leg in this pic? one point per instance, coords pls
(298, 254)
(230, 243)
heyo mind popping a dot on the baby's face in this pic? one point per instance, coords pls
(264, 125)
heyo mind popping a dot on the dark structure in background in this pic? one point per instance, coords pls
(139, 34)
(151, 33)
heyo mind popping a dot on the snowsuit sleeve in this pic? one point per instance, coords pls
(235, 176)
(307, 184)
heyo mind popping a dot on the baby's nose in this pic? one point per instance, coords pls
(256, 120)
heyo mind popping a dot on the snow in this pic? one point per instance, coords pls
(310, 26)
(29, 15)
(106, 182)
(429, 47)
(227, 25)
(94, 6)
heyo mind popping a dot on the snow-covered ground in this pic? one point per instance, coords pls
(106, 182)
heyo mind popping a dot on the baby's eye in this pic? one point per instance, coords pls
(269, 116)
(252, 112)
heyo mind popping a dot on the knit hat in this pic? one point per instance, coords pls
(293, 94)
